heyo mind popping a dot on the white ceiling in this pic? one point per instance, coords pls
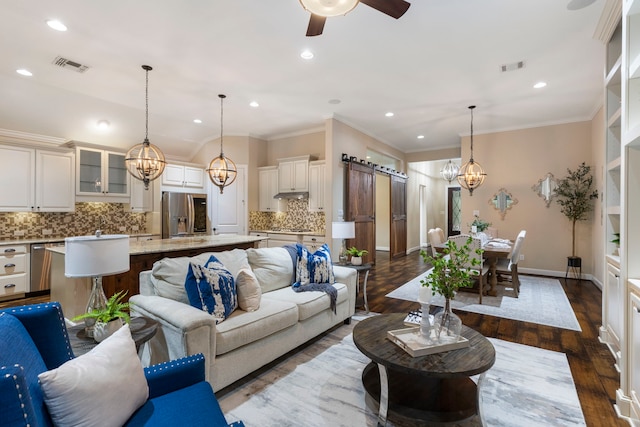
(426, 67)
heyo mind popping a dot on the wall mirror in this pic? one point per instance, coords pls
(502, 201)
(546, 188)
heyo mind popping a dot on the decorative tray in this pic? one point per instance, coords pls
(412, 341)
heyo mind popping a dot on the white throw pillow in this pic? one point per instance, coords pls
(102, 387)
(273, 267)
(249, 292)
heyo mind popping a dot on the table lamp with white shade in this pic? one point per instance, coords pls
(96, 256)
(343, 230)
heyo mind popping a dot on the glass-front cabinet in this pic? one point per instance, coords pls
(101, 173)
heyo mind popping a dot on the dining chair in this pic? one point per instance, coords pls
(436, 237)
(509, 266)
(480, 270)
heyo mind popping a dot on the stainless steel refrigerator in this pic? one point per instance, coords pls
(183, 214)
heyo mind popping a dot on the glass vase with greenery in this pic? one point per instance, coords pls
(452, 269)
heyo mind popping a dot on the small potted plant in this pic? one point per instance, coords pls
(479, 224)
(356, 255)
(110, 318)
(616, 241)
(449, 273)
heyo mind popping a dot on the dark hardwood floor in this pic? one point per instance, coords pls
(591, 363)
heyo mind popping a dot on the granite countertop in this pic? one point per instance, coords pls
(178, 244)
(294, 233)
(50, 239)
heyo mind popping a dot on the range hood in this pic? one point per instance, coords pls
(300, 195)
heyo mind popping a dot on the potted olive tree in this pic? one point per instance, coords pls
(575, 195)
(108, 319)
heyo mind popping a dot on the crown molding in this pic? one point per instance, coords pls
(608, 22)
(17, 137)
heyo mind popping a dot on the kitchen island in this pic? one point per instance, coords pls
(74, 293)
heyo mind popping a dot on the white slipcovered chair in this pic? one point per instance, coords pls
(436, 237)
(509, 266)
(479, 270)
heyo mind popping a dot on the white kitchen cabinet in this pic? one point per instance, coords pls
(183, 178)
(317, 186)
(14, 271)
(277, 240)
(634, 354)
(141, 198)
(36, 180)
(293, 174)
(261, 243)
(313, 243)
(101, 176)
(267, 188)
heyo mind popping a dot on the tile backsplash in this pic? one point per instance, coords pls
(296, 216)
(85, 220)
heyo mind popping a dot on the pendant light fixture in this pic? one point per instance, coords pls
(145, 161)
(471, 175)
(450, 171)
(222, 170)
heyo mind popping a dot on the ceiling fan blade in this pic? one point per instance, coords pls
(393, 8)
(316, 25)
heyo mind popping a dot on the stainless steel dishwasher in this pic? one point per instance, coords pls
(40, 260)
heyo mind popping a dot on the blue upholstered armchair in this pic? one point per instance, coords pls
(34, 339)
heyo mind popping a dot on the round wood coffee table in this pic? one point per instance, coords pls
(425, 390)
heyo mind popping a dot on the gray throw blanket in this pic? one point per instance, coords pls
(328, 288)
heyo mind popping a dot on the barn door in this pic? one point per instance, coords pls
(361, 208)
(398, 231)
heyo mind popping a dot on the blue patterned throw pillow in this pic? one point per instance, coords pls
(211, 288)
(314, 267)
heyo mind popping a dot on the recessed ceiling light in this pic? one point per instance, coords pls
(103, 124)
(254, 104)
(306, 54)
(56, 25)
(24, 72)
(334, 101)
(198, 121)
(389, 114)
(420, 136)
(539, 85)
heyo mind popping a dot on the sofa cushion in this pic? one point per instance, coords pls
(25, 362)
(309, 303)
(243, 327)
(168, 274)
(103, 387)
(211, 288)
(272, 266)
(249, 291)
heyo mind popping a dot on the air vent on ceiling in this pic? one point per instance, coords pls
(67, 63)
(512, 67)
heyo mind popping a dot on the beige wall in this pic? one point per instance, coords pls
(300, 145)
(516, 160)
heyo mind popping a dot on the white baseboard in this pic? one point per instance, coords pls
(556, 273)
(383, 248)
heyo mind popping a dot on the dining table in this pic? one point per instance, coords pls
(493, 250)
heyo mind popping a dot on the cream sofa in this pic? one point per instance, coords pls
(245, 341)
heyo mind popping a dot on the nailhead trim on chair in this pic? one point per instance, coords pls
(184, 361)
(60, 319)
(15, 380)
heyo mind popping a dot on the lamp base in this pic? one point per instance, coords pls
(97, 301)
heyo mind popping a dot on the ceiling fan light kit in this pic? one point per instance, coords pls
(329, 7)
(322, 9)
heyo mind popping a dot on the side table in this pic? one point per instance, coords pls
(142, 330)
(360, 268)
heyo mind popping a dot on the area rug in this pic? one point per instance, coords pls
(321, 386)
(542, 300)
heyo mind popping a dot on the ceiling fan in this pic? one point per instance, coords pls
(322, 9)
